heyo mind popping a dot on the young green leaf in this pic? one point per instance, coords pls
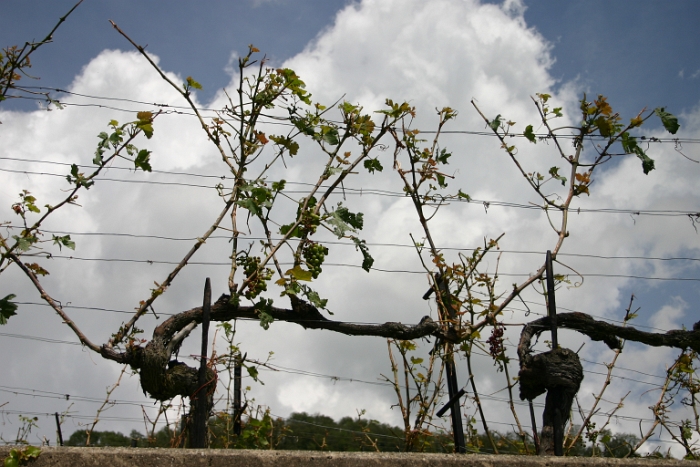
(529, 134)
(330, 135)
(443, 156)
(495, 123)
(343, 220)
(143, 161)
(373, 164)
(554, 172)
(647, 162)
(669, 121)
(314, 298)
(367, 260)
(7, 308)
(299, 274)
(287, 143)
(464, 196)
(285, 229)
(630, 146)
(191, 83)
(64, 241)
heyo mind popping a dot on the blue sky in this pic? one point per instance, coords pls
(645, 55)
(443, 52)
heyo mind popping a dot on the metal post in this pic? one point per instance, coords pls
(58, 430)
(451, 372)
(198, 432)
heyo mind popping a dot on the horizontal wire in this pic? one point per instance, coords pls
(175, 107)
(357, 266)
(396, 194)
(320, 375)
(351, 244)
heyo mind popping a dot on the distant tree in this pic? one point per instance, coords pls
(99, 439)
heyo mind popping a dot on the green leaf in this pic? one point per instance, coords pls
(440, 179)
(253, 371)
(373, 164)
(24, 243)
(669, 121)
(443, 156)
(529, 134)
(250, 204)
(31, 451)
(367, 260)
(278, 186)
(343, 220)
(288, 143)
(145, 123)
(300, 274)
(64, 241)
(647, 162)
(191, 83)
(142, 160)
(285, 229)
(630, 146)
(495, 123)
(7, 308)
(347, 107)
(604, 126)
(146, 127)
(262, 308)
(629, 143)
(330, 135)
(554, 172)
(464, 196)
(315, 299)
(11, 462)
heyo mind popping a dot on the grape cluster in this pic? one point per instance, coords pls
(496, 341)
(258, 278)
(314, 254)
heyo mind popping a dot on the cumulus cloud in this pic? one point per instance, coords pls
(433, 54)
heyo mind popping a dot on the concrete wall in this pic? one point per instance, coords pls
(141, 457)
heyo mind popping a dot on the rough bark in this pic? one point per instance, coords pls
(612, 334)
(559, 372)
(164, 378)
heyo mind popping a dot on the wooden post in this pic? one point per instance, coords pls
(200, 404)
(554, 393)
(237, 398)
(552, 308)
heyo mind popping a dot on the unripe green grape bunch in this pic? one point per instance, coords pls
(314, 254)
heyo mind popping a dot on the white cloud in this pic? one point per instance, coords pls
(438, 53)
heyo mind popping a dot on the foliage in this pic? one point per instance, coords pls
(20, 456)
(98, 439)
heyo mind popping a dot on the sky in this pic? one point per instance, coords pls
(433, 54)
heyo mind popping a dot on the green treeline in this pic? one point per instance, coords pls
(302, 431)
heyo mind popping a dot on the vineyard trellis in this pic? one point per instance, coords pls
(468, 299)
